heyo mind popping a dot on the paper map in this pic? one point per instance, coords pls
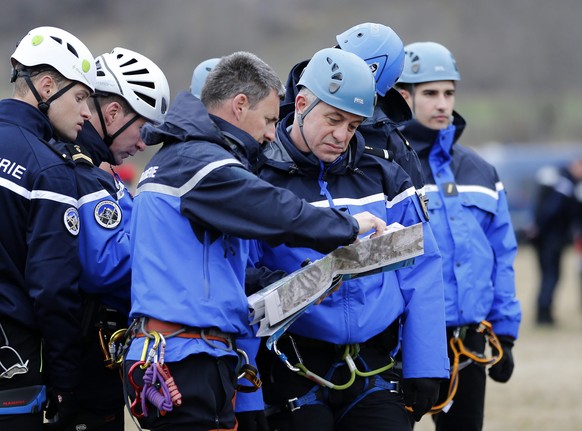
(276, 306)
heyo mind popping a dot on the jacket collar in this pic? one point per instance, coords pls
(240, 142)
(284, 154)
(94, 145)
(28, 117)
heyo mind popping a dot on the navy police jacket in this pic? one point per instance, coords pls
(558, 208)
(39, 261)
(366, 306)
(105, 207)
(197, 206)
(470, 219)
(380, 130)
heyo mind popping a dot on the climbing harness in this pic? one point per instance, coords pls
(458, 348)
(159, 388)
(351, 351)
(168, 330)
(372, 380)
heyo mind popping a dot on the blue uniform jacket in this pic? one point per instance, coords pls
(197, 206)
(364, 307)
(39, 260)
(470, 219)
(105, 207)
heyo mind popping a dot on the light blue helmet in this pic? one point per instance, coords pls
(428, 62)
(342, 80)
(200, 73)
(382, 49)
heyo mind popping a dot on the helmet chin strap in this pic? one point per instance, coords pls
(413, 107)
(301, 116)
(107, 138)
(43, 105)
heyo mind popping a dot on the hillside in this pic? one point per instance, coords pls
(518, 58)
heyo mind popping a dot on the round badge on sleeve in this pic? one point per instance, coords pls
(72, 220)
(108, 214)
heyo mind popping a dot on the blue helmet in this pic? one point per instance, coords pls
(382, 49)
(342, 80)
(200, 73)
(428, 62)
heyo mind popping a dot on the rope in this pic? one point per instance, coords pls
(155, 390)
(458, 348)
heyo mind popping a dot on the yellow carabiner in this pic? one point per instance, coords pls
(153, 351)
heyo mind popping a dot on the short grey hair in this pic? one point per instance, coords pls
(240, 72)
(308, 94)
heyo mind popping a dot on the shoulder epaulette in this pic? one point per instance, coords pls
(406, 143)
(64, 155)
(78, 154)
(379, 152)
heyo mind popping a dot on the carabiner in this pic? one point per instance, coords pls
(153, 350)
(138, 390)
(283, 358)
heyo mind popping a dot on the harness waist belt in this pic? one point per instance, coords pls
(169, 329)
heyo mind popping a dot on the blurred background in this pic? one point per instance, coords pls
(519, 59)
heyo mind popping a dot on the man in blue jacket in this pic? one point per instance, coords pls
(249, 406)
(197, 206)
(53, 75)
(318, 155)
(130, 90)
(470, 219)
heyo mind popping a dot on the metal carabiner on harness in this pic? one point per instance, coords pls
(116, 348)
(283, 357)
(152, 351)
(136, 404)
(248, 372)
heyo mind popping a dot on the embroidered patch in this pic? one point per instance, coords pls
(72, 221)
(108, 214)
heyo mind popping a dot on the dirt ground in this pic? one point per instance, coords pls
(545, 391)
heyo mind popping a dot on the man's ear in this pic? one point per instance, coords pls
(240, 104)
(46, 87)
(300, 105)
(404, 93)
(111, 112)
